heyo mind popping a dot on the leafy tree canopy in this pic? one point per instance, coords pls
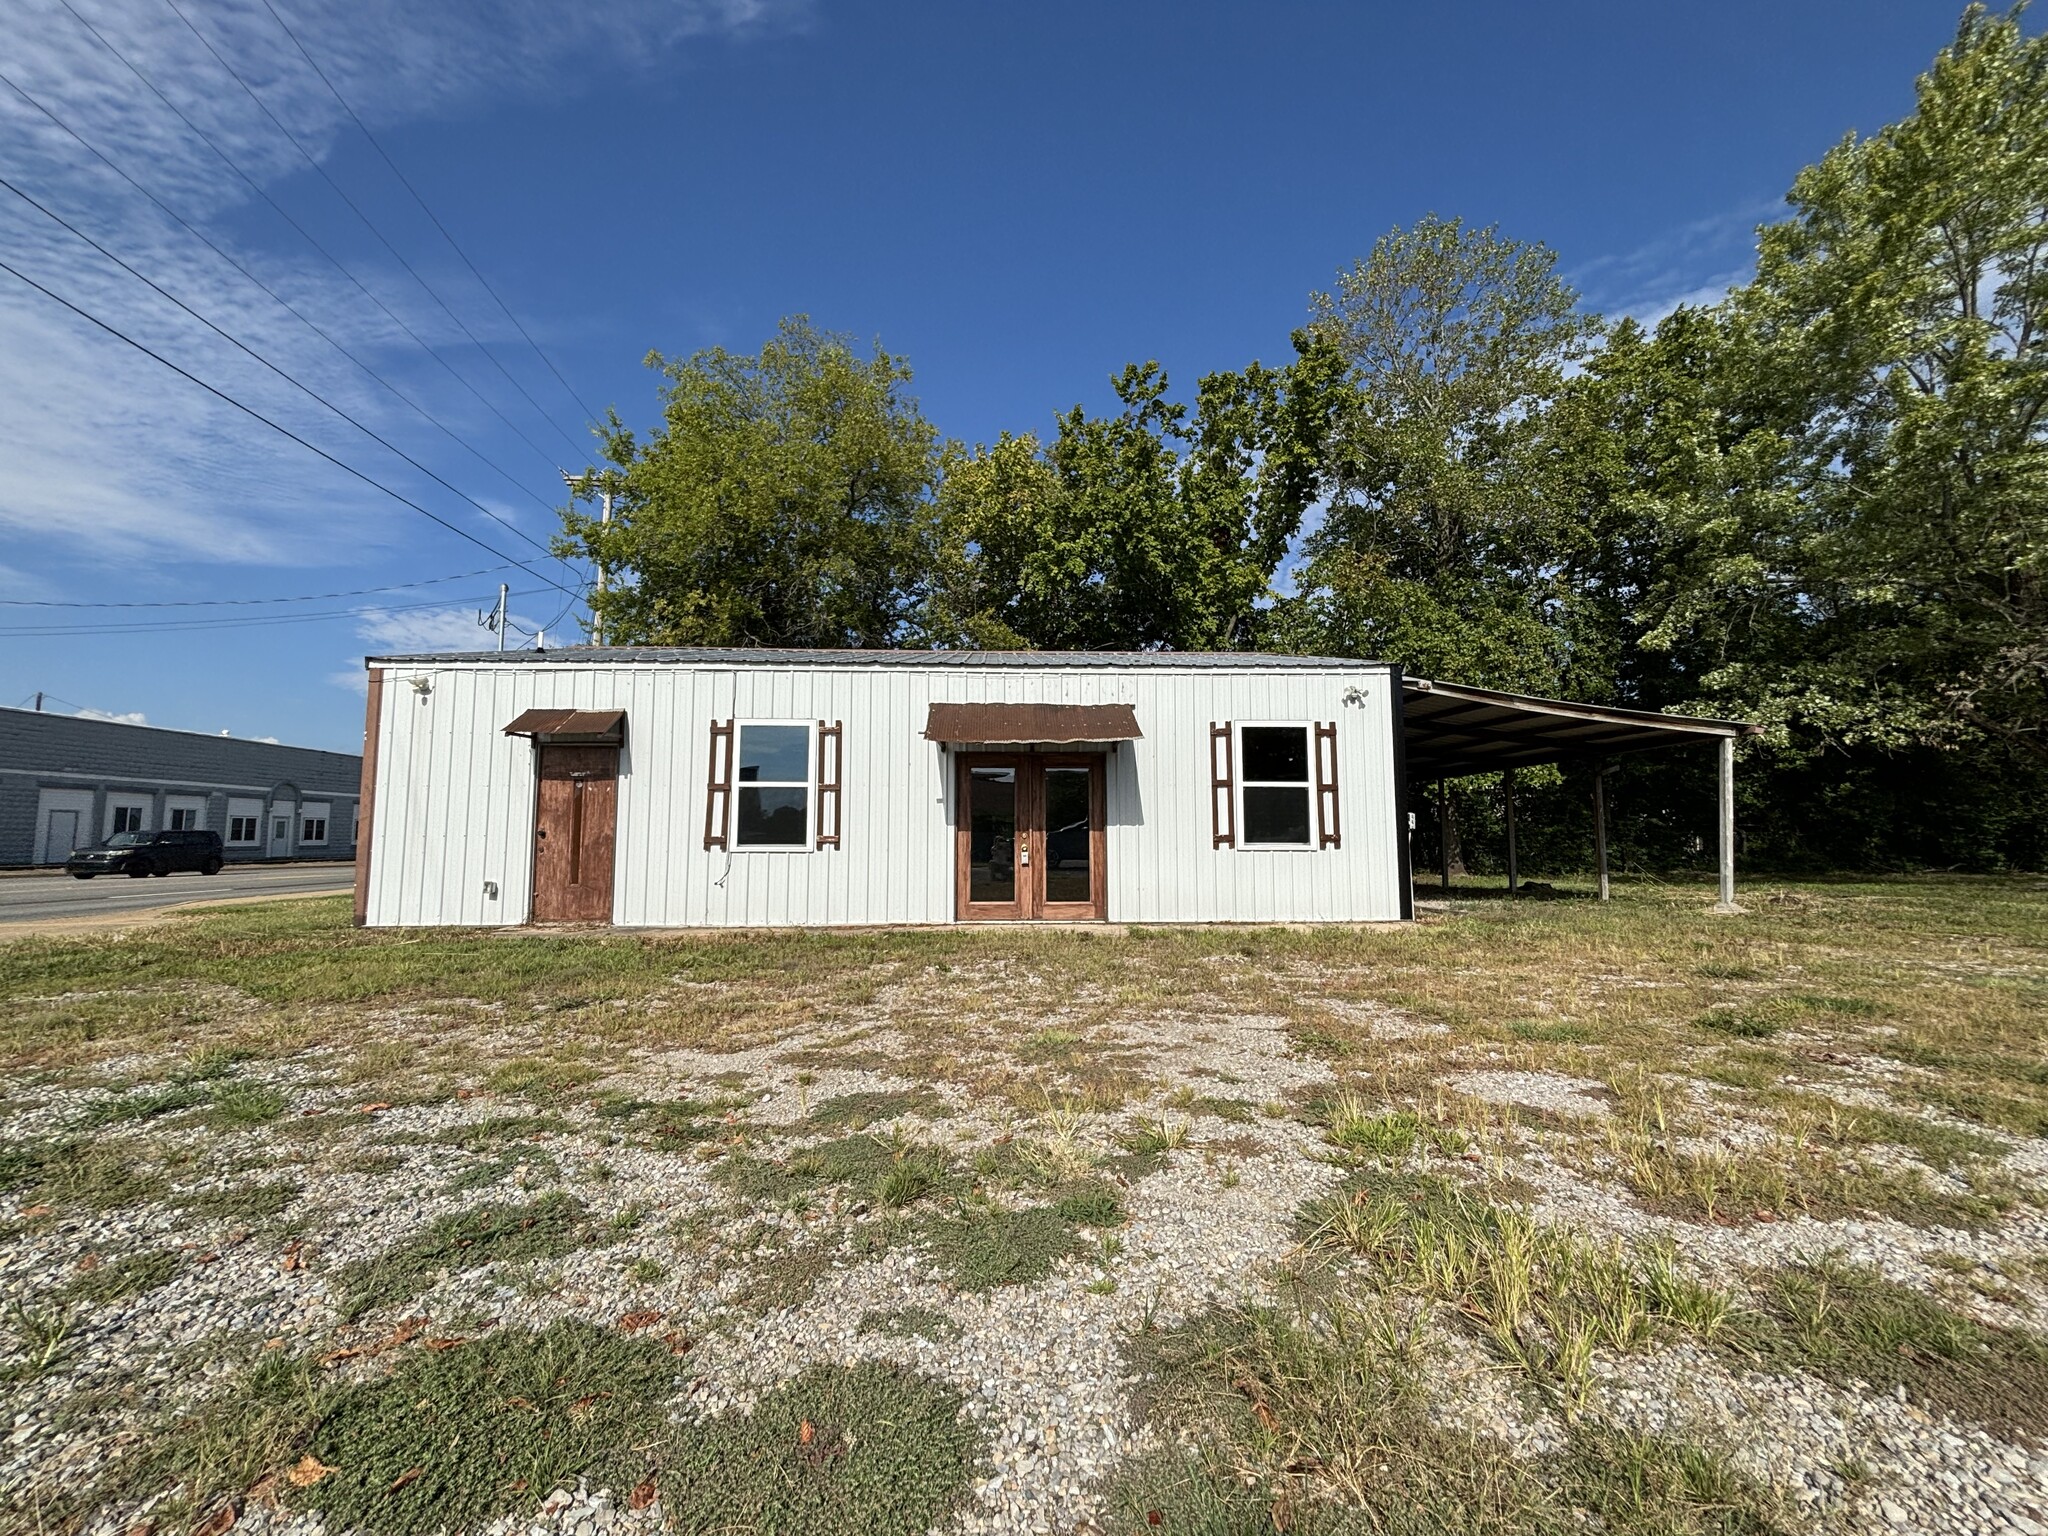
(785, 500)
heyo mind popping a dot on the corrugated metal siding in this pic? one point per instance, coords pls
(455, 797)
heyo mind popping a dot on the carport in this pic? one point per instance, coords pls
(1451, 731)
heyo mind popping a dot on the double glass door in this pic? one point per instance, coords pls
(1029, 836)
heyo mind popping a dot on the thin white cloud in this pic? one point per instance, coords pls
(132, 717)
(1696, 263)
(426, 630)
(106, 453)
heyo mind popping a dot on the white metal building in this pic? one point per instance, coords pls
(763, 788)
(651, 787)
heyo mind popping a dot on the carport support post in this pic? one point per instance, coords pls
(1727, 820)
(1443, 827)
(1507, 785)
(1600, 823)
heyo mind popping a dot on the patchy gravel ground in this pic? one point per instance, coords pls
(256, 1190)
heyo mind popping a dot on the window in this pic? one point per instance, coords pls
(184, 819)
(1274, 786)
(242, 829)
(313, 822)
(280, 829)
(130, 818)
(774, 789)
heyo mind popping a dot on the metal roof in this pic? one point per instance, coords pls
(1452, 730)
(719, 656)
(1049, 723)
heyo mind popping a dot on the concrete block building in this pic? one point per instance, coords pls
(68, 782)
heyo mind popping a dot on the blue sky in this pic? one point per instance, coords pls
(1018, 199)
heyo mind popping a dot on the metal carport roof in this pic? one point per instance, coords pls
(1451, 730)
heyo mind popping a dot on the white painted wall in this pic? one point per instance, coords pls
(73, 810)
(455, 796)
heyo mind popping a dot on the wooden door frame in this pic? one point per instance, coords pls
(1031, 905)
(533, 875)
(964, 910)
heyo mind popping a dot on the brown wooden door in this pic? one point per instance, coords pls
(575, 827)
(1029, 839)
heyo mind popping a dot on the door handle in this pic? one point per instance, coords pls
(1023, 852)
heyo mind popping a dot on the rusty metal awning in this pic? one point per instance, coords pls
(1051, 724)
(593, 726)
(1451, 730)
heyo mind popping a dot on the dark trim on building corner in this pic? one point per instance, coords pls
(366, 797)
(1402, 837)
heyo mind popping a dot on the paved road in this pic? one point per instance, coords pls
(42, 898)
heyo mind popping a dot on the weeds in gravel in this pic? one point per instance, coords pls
(1847, 1325)
(251, 1202)
(101, 1174)
(910, 1323)
(890, 1172)
(1315, 1420)
(867, 1450)
(986, 1246)
(123, 1279)
(1358, 1125)
(534, 1166)
(1542, 1299)
(548, 1228)
(42, 1337)
(858, 1111)
(238, 1105)
(457, 1437)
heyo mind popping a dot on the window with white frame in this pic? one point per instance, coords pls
(313, 822)
(774, 789)
(1275, 787)
(245, 829)
(130, 818)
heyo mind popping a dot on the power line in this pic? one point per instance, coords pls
(247, 410)
(305, 389)
(294, 310)
(575, 449)
(251, 602)
(244, 621)
(482, 281)
(333, 260)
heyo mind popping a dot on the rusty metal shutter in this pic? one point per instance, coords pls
(829, 768)
(1327, 823)
(718, 787)
(1222, 787)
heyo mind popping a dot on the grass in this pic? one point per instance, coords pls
(254, 1201)
(547, 1228)
(1847, 1325)
(891, 1173)
(1541, 1298)
(910, 1323)
(858, 1111)
(986, 1246)
(123, 1279)
(1314, 1419)
(867, 1450)
(98, 1173)
(456, 1437)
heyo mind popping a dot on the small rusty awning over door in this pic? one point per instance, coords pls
(591, 727)
(1052, 724)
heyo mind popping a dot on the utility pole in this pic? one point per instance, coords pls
(579, 486)
(503, 589)
(39, 701)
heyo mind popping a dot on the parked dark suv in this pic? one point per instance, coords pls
(148, 853)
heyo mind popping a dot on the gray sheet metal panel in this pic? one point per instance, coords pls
(456, 795)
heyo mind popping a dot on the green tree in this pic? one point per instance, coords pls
(1902, 312)
(1155, 527)
(785, 500)
(1438, 547)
